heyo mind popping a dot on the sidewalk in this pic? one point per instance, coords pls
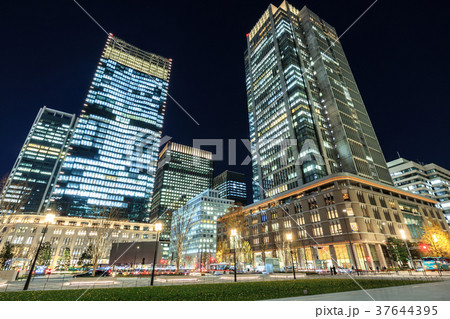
(437, 291)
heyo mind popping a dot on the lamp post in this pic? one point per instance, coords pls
(289, 238)
(49, 218)
(234, 235)
(402, 233)
(135, 254)
(158, 228)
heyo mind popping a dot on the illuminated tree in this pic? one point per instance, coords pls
(221, 251)
(182, 222)
(436, 238)
(45, 254)
(247, 253)
(64, 262)
(234, 219)
(6, 254)
(103, 233)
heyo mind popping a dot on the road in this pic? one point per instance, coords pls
(437, 291)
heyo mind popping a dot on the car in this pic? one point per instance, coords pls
(98, 273)
(420, 269)
(48, 271)
(41, 270)
(341, 270)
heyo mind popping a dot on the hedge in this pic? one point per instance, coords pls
(210, 292)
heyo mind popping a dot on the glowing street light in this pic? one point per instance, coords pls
(49, 218)
(402, 233)
(158, 228)
(289, 239)
(233, 234)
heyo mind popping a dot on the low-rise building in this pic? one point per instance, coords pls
(24, 232)
(341, 220)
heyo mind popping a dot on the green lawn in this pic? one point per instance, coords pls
(205, 292)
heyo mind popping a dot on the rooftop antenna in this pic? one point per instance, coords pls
(398, 155)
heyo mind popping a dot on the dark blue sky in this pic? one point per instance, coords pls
(398, 53)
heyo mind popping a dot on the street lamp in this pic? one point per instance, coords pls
(158, 228)
(234, 235)
(435, 238)
(135, 254)
(49, 218)
(289, 239)
(402, 233)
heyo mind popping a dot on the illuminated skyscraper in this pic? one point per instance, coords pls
(307, 118)
(231, 185)
(114, 150)
(183, 172)
(34, 174)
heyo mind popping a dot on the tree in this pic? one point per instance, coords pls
(247, 253)
(86, 257)
(398, 250)
(436, 238)
(235, 219)
(103, 229)
(221, 251)
(263, 250)
(6, 254)
(45, 254)
(64, 262)
(182, 222)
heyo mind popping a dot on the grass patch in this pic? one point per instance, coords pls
(210, 292)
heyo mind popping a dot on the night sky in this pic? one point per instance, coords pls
(398, 53)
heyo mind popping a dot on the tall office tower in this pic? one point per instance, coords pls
(36, 169)
(183, 172)
(231, 185)
(429, 180)
(114, 150)
(307, 118)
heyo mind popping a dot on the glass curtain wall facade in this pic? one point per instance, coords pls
(114, 151)
(36, 169)
(203, 211)
(231, 185)
(183, 172)
(306, 115)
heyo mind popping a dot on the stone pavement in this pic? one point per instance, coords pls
(436, 291)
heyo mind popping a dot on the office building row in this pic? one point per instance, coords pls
(309, 127)
(429, 180)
